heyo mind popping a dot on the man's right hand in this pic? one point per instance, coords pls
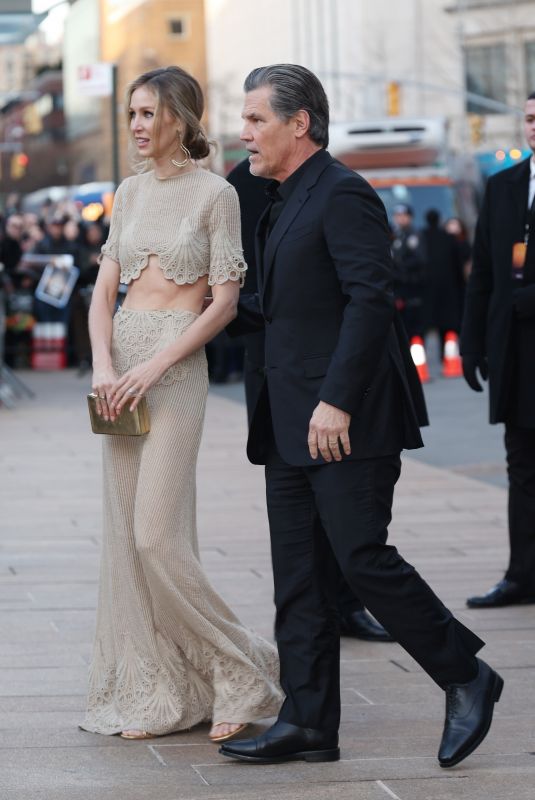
(470, 365)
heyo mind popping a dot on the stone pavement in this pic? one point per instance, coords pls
(451, 526)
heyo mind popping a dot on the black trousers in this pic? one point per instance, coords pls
(330, 518)
(520, 449)
(253, 381)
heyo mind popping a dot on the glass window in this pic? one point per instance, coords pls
(178, 27)
(485, 74)
(530, 67)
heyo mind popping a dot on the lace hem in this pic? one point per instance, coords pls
(171, 694)
(109, 250)
(233, 269)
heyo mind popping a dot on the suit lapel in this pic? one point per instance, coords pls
(295, 202)
(519, 186)
(259, 250)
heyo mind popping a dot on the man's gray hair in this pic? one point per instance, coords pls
(294, 88)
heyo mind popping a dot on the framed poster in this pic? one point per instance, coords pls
(57, 281)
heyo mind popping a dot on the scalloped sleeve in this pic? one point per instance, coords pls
(226, 252)
(110, 247)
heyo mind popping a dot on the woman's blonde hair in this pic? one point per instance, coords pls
(178, 92)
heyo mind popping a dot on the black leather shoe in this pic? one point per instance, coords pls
(505, 593)
(360, 625)
(284, 742)
(469, 709)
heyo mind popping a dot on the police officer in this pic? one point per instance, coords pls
(409, 269)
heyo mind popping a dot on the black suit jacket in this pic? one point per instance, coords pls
(493, 302)
(325, 299)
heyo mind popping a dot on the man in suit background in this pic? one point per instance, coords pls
(354, 619)
(339, 401)
(498, 339)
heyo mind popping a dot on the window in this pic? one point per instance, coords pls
(485, 74)
(178, 27)
(530, 67)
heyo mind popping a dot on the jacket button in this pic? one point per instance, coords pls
(268, 320)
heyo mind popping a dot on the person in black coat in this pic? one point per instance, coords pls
(444, 281)
(354, 619)
(498, 339)
(340, 399)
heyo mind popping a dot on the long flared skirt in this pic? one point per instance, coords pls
(168, 651)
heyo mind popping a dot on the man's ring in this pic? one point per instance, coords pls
(131, 391)
(102, 397)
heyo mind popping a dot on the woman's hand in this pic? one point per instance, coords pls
(136, 382)
(103, 381)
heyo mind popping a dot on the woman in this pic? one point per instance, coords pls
(168, 652)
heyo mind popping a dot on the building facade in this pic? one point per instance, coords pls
(417, 58)
(136, 35)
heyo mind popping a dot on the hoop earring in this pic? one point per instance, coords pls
(186, 160)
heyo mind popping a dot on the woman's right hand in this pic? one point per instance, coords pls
(103, 380)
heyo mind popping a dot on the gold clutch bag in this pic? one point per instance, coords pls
(128, 423)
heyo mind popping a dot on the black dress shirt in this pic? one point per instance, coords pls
(279, 193)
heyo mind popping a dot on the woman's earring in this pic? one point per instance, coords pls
(186, 153)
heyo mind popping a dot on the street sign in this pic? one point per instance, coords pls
(95, 80)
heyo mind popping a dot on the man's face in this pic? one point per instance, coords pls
(14, 227)
(529, 123)
(402, 219)
(269, 139)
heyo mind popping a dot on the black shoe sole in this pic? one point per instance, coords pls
(312, 756)
(523, 601)
(498, 687)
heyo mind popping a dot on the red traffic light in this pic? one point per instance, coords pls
(22, 159)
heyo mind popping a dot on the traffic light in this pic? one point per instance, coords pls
(393, 98)
(475, 123)
(19, 162)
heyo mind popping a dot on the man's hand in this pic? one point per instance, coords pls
(470, 365)
(328, 427)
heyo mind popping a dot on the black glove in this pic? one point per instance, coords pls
(470, 364)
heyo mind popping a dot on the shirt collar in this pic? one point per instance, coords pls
(281, 191)
(532, 167)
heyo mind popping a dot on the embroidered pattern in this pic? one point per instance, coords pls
(139, 335)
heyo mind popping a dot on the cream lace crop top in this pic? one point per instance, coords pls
(190, 221)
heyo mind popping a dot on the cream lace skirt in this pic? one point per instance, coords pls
(168, 651)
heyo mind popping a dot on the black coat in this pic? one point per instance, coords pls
(325, 298)
(491, 322)
(444, 281)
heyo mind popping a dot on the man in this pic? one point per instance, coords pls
(336, 408)
(10, 244)
(354, 619)
(408, 270)
(444, 285)
(498, 339)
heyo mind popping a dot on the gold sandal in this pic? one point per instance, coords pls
(133, 734)
(226, 736)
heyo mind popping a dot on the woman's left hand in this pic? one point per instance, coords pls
(136, 382)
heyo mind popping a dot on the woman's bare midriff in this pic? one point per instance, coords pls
(152, 291)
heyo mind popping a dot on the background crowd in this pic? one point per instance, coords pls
(432, 265)
(57, 228)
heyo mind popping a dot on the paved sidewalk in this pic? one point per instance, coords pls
(451, 526)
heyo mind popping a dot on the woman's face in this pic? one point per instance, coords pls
(453, 226)
(142, 113)
(71, 230)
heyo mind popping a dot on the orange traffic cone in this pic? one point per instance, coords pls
(419, 358)
(452, 366)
